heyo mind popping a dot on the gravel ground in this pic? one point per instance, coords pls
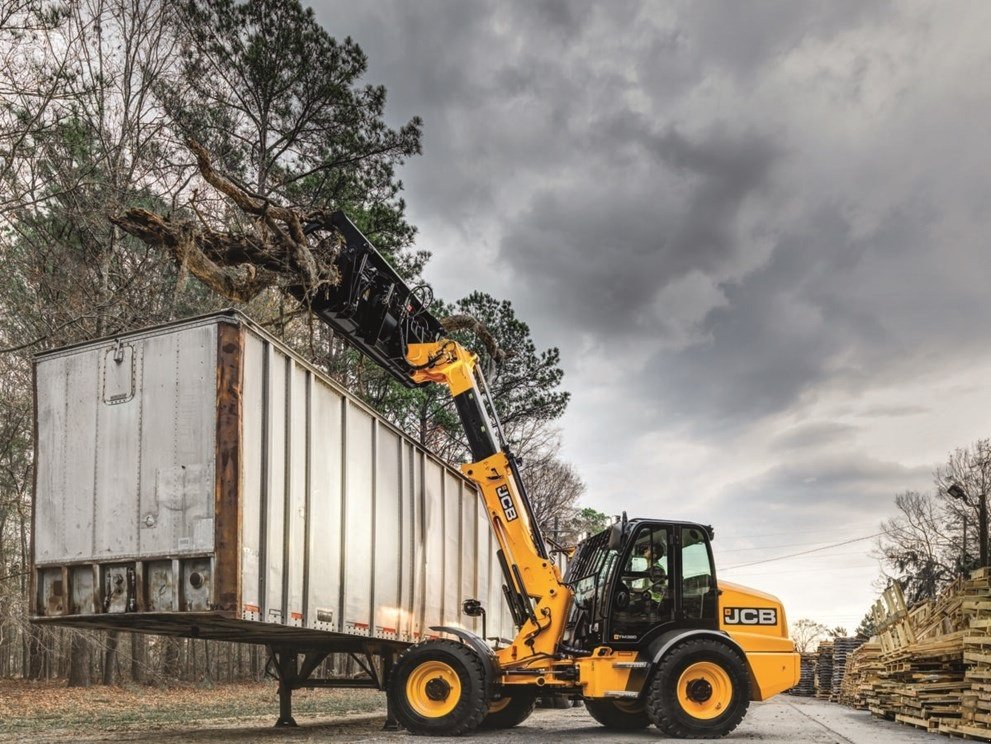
(783, 719)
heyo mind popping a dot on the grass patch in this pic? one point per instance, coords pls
(30, 707)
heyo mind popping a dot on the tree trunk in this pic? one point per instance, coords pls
(170, 659)
(79, 673)
(110, 658)
(137, 657)
(36, 654)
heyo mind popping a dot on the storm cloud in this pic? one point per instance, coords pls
(755, 230)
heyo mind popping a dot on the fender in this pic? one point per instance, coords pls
(666, 641)
(480, 648)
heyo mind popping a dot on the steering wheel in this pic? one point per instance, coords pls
(621, 599)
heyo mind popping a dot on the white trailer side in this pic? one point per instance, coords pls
(200, 479)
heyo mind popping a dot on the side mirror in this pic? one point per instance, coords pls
(615, 537)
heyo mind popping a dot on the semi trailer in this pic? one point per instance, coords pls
(198, 479)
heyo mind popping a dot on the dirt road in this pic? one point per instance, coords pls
(784, 719)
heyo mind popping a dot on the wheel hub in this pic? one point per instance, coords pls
(438, 689)
(433, 689)
(704, 690)
(699, 690)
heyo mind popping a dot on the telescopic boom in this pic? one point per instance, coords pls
(374, 310)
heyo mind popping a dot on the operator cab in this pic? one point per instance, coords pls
(635, 580)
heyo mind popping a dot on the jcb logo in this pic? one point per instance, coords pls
(750, 616)
(506, 501)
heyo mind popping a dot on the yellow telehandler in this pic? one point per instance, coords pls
(639, 627)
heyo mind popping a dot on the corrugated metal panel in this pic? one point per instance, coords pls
(388, 557)
(273, 462)
(50, 499)
(432, 496)
(253, 473)
(296, 446)
(326, 466)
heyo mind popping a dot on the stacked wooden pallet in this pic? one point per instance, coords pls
(863, 668)
(824, 670)
(931, 666)
(842, 648)
(806, 686)
(976, 704)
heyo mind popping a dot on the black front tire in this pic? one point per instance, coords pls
(714, 699)
(618, 715)
(517, 710)
(423, 681)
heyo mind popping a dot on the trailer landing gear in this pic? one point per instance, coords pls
(284, 664)
(391, 722)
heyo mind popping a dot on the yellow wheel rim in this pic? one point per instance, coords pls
(705, 690)
(433, 689)
(496, 705)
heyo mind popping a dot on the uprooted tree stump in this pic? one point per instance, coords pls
(281, 247)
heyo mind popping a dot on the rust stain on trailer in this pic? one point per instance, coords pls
(227, 529)
(33, 607)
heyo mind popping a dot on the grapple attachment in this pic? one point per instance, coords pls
(373, 307)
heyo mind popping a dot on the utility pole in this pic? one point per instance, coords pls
(956, 491)
(963, 558)
(983, 528)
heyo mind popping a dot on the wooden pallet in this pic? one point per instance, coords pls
(930, 665)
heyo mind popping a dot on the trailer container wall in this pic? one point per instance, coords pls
(200, 479)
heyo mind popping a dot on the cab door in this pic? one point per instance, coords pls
(697, 596)
(642, 597)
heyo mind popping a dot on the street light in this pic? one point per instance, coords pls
(955, 490)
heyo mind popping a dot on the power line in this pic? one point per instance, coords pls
(835, 552)
(832, 569)
(786, 532)
(767, 547)
(806, 552)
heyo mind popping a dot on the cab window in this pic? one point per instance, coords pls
(590, 589)
(642, 595)
(698, 590)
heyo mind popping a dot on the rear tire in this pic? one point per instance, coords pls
(437, 688)
(515, 710)
(556, 700)
(701, 690)
(618, 715)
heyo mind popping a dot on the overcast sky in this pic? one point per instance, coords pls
(757, 232)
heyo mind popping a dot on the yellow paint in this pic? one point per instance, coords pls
(771, 673)
(599, 674)
(417, 684)
(771, 657)
(717, 695)
(445, 362)
(541, 577)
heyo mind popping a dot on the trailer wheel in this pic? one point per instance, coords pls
(701, 690)
(508, 712)
(438, 688)
(619, 715)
